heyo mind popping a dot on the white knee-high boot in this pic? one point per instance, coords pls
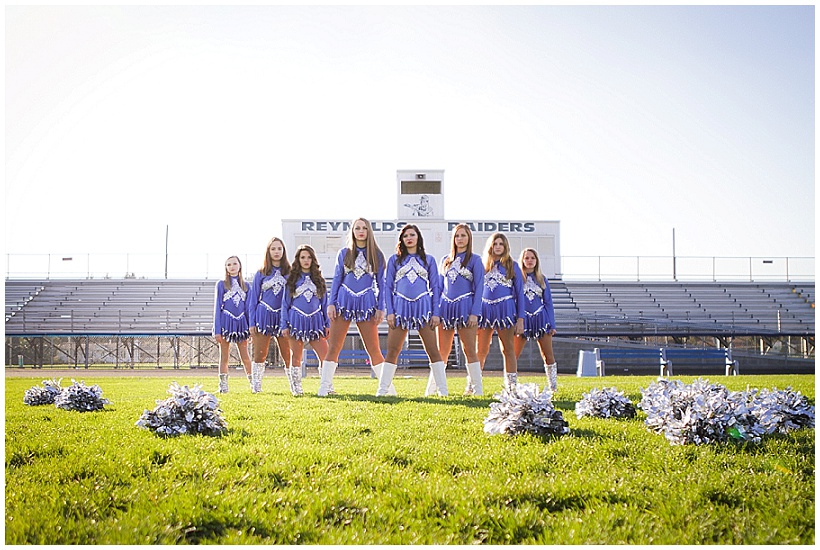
(223, 382)
(438, 370)
(377, 370)
(510, 380)
(296, 381)
(552, 375)
(474, 379)
(386, 379)
(289, 379)
(256, 377)
(431, 384)
(326, 384)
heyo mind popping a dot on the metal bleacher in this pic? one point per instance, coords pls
(185, 306)
(93, 306)
(684, 308)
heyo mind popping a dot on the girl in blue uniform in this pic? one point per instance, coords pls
(265, 310)
(356, 295)
(412, 289)
(305, 308)
(502, 308)
(463, 283)
(539, 322)
(231, 319)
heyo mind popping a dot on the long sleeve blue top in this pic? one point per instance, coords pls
(357, 280)
(411, 280)
(460, 280)
(232, 302)
(537, 297)
(497, 286)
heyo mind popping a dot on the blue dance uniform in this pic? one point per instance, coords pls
(306, 312)
(231, 312)
(357, 293)
(461, 291)
(413, 291)
(265, 302)
(502, 302)
(540, 315)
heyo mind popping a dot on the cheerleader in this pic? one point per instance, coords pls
(539, 323)
(265, 311)
(305, 308)
(356, 295)
(463, 283)
(231, 319)
(412, 289)
(502, 308)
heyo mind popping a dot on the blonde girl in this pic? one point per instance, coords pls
(231, 319)
(502, 307)
(539, 322)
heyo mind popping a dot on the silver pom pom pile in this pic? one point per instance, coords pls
(44, 395)
(701, 412)
(605, 403)
(79, 397)
(780, 411)
(524, 409)
(188, 410)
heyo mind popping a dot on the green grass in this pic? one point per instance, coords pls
(355, 469)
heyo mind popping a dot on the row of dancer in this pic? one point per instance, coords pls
(472, 297)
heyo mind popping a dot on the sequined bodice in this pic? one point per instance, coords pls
(360, 266)
(275, 283)
(412, 270)
(235, 293)
(532, 289)
(495, 278)
(457, 269)
(307, 289)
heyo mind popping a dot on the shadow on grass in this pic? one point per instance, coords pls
(481, 402)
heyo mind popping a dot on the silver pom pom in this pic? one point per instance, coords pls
(188, 410)
(43, 395)
(524, 409)
(79, 397)
(780, 411)
(605, 403)
(698, 413)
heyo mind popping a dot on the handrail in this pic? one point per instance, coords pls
(575, 268)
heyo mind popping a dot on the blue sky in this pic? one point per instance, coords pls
(620, 122)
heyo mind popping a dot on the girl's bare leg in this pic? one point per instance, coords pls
(468, 337)
(284, 349)
(520, 342)
(369, 332)
(430, 343)
(224, 356)
(445, 341)
(545, 344)
(484, 337)
(261, 344)
(506, 339)
(336, 341)
(244, 356)
(395, 341)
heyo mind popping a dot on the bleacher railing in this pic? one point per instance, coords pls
(577, 268)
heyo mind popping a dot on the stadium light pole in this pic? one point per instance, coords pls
(166, 250)
(674, 258)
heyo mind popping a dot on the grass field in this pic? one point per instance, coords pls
(356, 469)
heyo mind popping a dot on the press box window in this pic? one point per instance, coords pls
(421, 187)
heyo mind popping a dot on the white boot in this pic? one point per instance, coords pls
(296, 381)
(386, 379)
(431, 384)
(256, 377)
(377, 370)
(223, 382)
(552, 376)
(289, 379)
(474, 379)
(438, 370)
(510, 380)
(250, 381)
(326, 384)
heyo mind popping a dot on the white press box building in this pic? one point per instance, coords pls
(420, 201)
